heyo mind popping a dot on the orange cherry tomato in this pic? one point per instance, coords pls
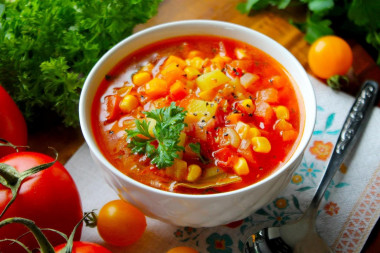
(120, 223)
(329, 56)
(182, 249)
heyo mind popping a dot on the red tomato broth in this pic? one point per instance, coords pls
(109, 127)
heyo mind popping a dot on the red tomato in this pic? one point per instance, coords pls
(120, 223)
(12, 123)
(49, 198)
(329, 56)
(84, 247)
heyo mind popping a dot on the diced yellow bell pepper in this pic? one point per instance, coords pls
(241, 167)
(128, 103)
(212, 80)
(261, 144)
(194, 172)
(198, 110)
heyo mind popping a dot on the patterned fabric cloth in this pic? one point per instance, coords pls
(350, 208)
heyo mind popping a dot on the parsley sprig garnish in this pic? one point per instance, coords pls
(169, 124)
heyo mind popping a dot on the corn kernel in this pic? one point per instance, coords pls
(241, 167)
(194, 172)
(141, 78)
(248, 105)
(128, 103)
(261, 144)
(253, 132)
(281, 112)
(192, 73)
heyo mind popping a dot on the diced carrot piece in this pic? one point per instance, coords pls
(194, 53)
(172, 72)
(174, 59)
(264, 112)
(112, 107)
(233, 118)
(208, 94)
(283, 125)
(178, 90)
(244, 65)
(156, 88)
(289, 135)
(269, 95)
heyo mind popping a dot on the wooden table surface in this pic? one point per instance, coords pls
(273, 23)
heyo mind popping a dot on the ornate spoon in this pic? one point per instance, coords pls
(302, 236)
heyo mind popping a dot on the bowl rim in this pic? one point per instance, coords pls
(86, 126)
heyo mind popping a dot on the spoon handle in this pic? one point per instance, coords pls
(350, 133)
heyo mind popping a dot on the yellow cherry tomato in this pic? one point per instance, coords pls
(120, 223)
(330, 55)
(182, 249)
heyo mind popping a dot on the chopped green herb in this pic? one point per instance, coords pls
(161, 148)
(196, 148)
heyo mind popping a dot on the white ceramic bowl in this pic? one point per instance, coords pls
(186, 209)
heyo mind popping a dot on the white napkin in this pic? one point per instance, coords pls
(347, 215)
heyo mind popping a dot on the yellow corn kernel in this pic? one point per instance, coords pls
(261, 144)
(128, 103)
(141, 78)
(241, 167)
(248, 105)
(178, 170)
(281, 112)
(194, 172)
(192, 73)
(253, 132)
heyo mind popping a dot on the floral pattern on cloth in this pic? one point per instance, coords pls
(292, 202)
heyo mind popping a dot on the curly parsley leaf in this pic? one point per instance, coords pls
(48, 47)
(169, 125)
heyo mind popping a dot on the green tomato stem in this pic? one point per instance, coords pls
(45, 245)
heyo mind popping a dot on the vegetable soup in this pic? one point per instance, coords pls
(197, 115)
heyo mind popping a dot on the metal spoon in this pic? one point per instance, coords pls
(302, 236)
